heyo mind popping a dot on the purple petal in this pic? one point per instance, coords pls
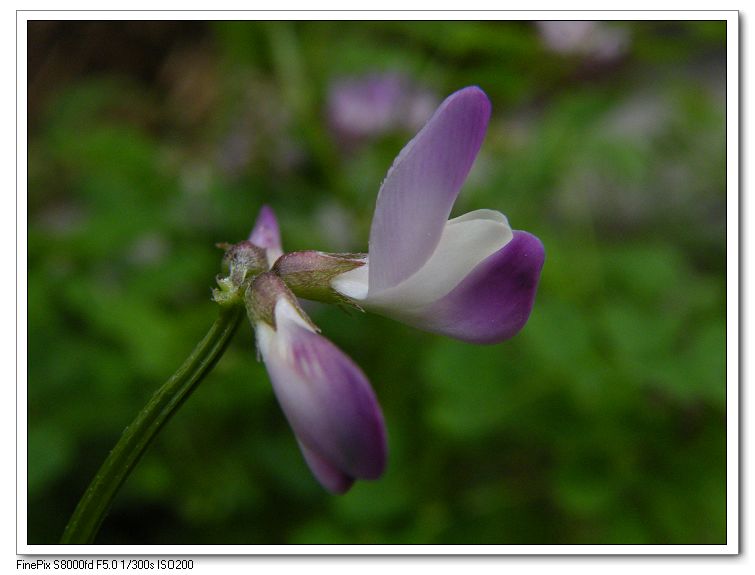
(327, 400)
(266, 234)
(495, 300)
(419, 191)
(329, 476)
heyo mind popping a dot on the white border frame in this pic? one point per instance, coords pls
(732, 292)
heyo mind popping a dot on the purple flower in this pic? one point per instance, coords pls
(368, 106)
(325, 397)
(471, 277)
(596, 40)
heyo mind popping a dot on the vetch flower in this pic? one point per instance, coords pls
(471, 277)
(324, 395)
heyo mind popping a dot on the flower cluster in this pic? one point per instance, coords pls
(471, 277)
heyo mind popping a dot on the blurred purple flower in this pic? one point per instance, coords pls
(590, 39)
(471, 277)
(369, 106)
(324, 395)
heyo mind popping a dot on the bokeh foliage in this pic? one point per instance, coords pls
(602, 422)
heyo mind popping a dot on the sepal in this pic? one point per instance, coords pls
(310, 274)
(262, 297)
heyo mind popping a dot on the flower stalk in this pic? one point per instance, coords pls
(85, 522)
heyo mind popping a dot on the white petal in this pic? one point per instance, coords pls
(465, 242)
(353, 284)
(273, 343)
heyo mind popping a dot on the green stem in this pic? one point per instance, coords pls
(86, 519)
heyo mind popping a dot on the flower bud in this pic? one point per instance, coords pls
(242, 261)
(266, 235)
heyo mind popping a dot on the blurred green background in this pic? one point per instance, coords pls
(603, 421)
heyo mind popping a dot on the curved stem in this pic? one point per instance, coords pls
(89, 513)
